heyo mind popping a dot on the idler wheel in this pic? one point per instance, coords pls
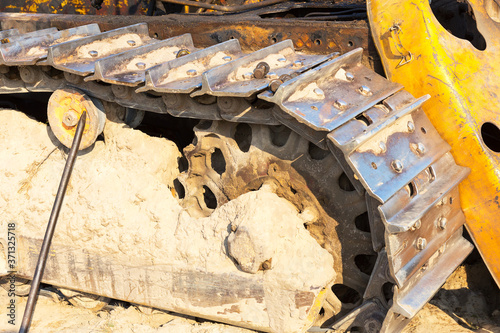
(64, 110)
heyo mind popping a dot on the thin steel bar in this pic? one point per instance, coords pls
(42, 259)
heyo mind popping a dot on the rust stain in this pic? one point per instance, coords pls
(304, 298)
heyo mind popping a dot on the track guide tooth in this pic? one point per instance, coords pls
(237, 78)
(420, 288)
(421, 217)
(29, 51)
(323, 98)
(386, 150)
(28, 35)
(128, 68)
(79, 56)
(183, 75)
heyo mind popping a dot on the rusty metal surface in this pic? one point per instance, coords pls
(83, 7)
(252, 32)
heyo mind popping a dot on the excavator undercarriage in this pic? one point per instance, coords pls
(289, 113)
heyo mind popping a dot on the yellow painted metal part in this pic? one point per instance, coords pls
(83, 7)
(464, 83)
(64, 110)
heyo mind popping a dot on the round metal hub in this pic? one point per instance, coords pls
(64, 110)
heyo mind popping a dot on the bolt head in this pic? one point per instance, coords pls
(420, 148)
(227, 58)
(192, 72)
(421, 243)
(283, 59)
(266, 265)
(349, 76)
(93, 53)
(141, 65)
(442, 221)
(397, 166)
(274, 85)
(365, 91)
(411, 126)
(340, 104)
(182, 52)
(131, 42)
(70, 118)
(319, 92)
(297, 64)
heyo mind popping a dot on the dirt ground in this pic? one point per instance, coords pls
(468, 302)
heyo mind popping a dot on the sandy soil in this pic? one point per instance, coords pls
(468, 302)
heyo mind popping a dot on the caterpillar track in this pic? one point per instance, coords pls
(347, 147)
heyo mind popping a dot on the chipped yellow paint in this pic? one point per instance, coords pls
(465, 89)
(83, 7)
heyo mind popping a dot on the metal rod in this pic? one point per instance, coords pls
(229, 9)
(42, 258)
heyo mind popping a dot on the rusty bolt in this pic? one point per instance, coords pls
(442, 221)
(285, 77)
(70, 118)
(131, 42)
(266, 265)
(93, 53)
(340, 104)
(261, 70)
(397, 166)
(365, 91)
(182, 52)
(274, 85)
(141, 65)
(421, 243)
(349, 76)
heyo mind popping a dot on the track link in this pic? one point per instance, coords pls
(374, 153)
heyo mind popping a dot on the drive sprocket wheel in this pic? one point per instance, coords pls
(230, 159)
